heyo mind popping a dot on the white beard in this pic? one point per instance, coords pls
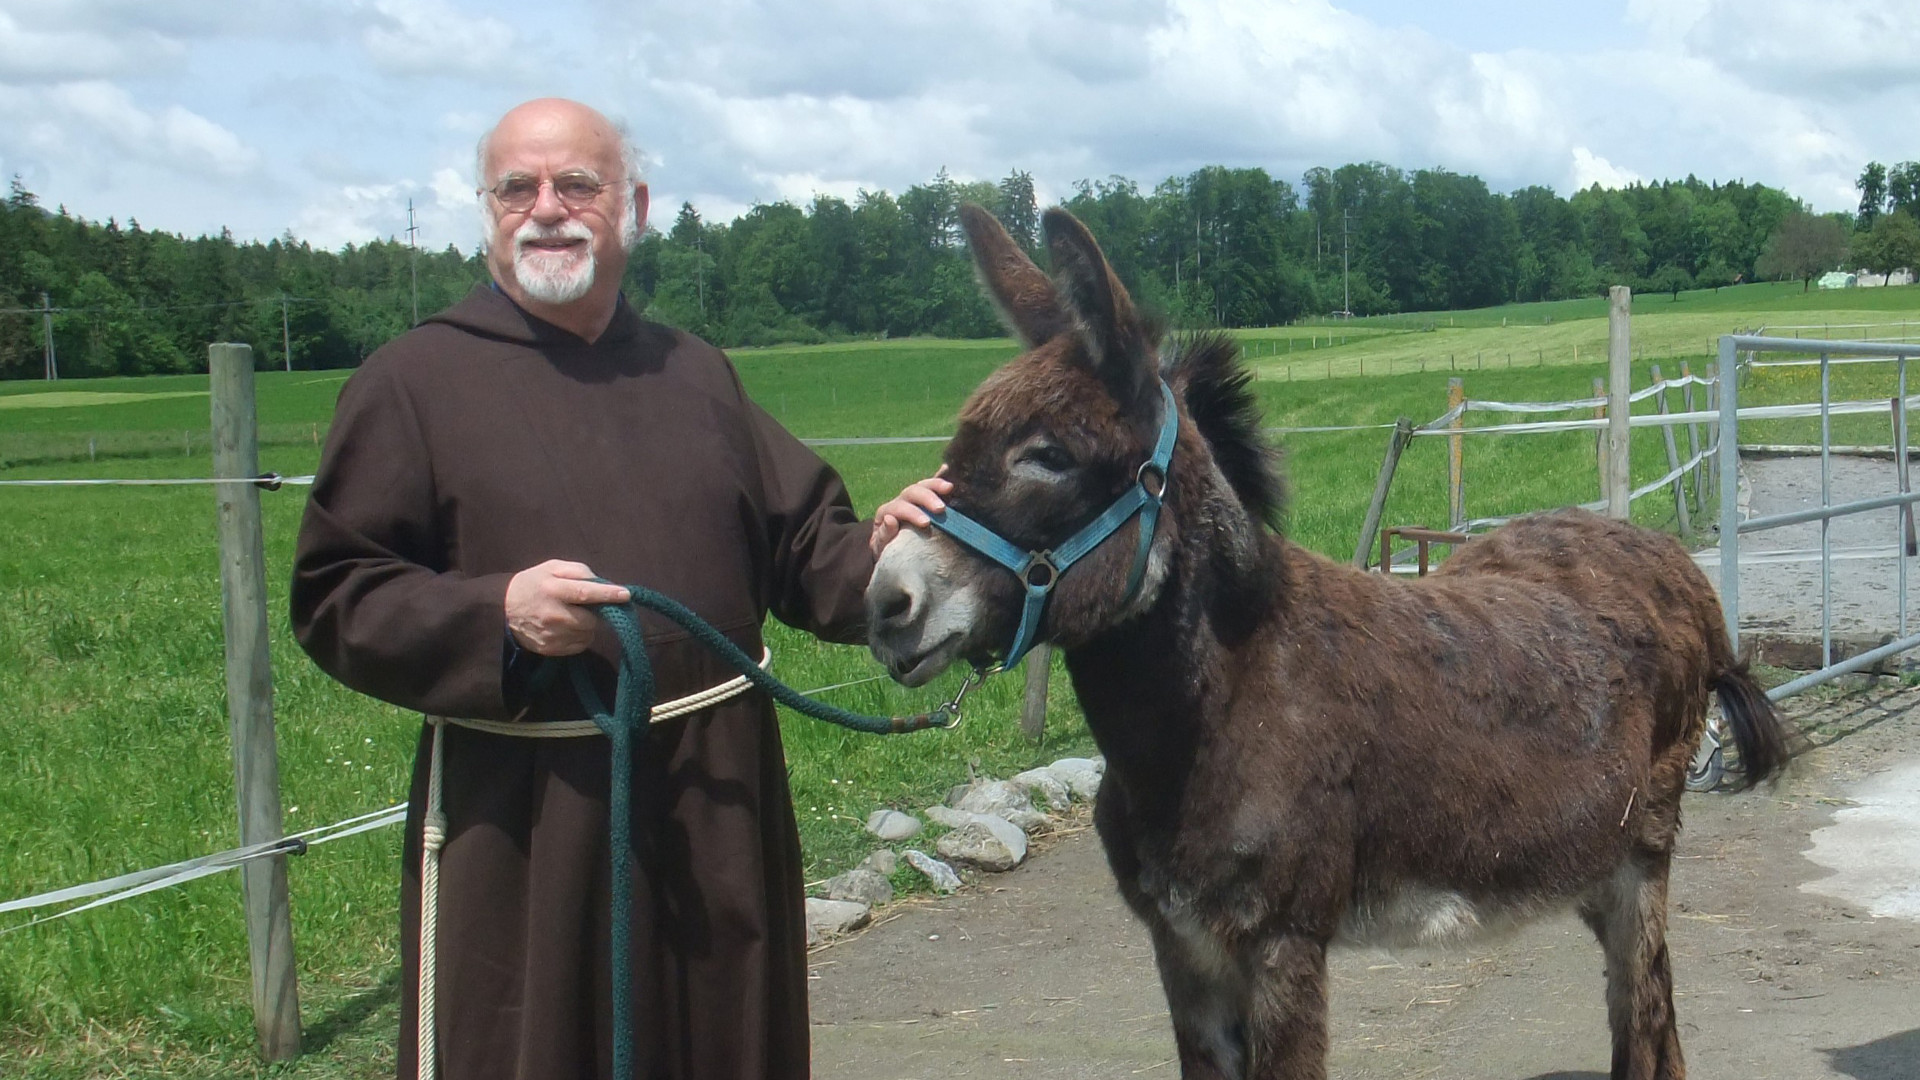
(553, 277)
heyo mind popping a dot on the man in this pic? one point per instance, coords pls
(480, 469)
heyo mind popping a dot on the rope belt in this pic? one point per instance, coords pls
(433, 831)
(623, 724)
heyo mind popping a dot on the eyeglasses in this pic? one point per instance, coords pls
(575, 190)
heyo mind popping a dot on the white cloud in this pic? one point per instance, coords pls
(1836, 48)
(33, 53)
(329, 115)
(1667, 21)
(430, 37)
(800, 188)
(97, 126)
(177, 18)
(1075, 90)
(352, 215)
(455, 214)
(1589, 169)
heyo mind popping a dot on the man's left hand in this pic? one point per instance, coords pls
(910, 507)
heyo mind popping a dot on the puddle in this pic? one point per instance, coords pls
(1873, 846)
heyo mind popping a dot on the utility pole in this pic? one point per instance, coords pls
(286, 336)
(1346, 298)
(46, 316)
(413, 261)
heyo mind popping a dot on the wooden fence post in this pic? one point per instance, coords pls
(1673, 456)
(1693, 442)
(1033, 709)
(1402, 435)
(1619, 403)
(256, 763)
(1456, 465)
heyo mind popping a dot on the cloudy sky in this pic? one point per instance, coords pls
(323, 117)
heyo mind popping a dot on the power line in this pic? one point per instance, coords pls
(159, 307)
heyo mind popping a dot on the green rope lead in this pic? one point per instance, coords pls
(627, 722)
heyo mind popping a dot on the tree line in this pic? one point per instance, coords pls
(1223, 247)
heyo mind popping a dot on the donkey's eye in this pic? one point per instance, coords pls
(1047, 456)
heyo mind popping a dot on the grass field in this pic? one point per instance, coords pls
(112, 693)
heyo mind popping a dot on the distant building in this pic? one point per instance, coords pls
(1866, 280)
(1836, 279)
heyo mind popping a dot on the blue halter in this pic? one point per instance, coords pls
(1039, 571)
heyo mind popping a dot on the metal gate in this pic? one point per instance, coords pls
(1733, 527)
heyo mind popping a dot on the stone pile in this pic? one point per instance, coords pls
(987, 828)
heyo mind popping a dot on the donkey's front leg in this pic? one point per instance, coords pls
(1287, 1017)
(1207, 1001)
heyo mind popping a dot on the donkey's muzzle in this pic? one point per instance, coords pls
(917, 619)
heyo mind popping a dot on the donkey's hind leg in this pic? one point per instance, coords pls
(1207, 1001)
(1628, 913)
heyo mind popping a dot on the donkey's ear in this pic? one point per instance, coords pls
(1028, 302)
(1116, 337)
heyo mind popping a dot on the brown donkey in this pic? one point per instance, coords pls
(1300, 753)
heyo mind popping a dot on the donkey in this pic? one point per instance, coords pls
(1299, 752)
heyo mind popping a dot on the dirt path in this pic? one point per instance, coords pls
(1779, 568)
(1041, 973)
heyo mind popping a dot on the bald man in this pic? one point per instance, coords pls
(480, 469)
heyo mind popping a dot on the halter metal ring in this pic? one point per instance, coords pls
(1149, 469)
(1039, 574)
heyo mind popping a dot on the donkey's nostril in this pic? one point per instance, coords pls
(894, 606)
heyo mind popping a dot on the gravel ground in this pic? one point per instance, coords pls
(1782, 970)
(1795, 918)
(1780, 587)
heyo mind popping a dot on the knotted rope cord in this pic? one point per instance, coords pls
(626, 723)
(433, 837)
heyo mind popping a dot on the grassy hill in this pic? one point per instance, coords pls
(111, 654)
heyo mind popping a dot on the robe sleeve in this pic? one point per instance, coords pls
(820, 561)
(373, 601)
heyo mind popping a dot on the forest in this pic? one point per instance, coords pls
(1226, 247)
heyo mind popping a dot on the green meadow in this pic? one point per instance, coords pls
(112, 694)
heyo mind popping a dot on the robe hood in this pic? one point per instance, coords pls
(490, 313)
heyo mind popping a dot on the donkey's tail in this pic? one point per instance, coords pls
(1757, 729)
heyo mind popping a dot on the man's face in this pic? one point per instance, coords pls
(555, 250)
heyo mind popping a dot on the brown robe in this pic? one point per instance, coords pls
(484, 442)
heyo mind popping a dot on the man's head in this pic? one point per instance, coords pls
(561, 204)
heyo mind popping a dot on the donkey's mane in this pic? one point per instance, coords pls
(1219, 394)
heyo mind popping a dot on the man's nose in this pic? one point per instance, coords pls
(547, 207)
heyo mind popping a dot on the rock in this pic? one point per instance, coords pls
(954, 819)
(860, 885)
(940, 874)
(882, 862)
(828, 918)
(987, 842)
(1005, 800)
(1081, 775)
(947, 816)
(1046, 787)
(891, 825)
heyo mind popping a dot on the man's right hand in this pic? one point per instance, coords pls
(546, 612)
